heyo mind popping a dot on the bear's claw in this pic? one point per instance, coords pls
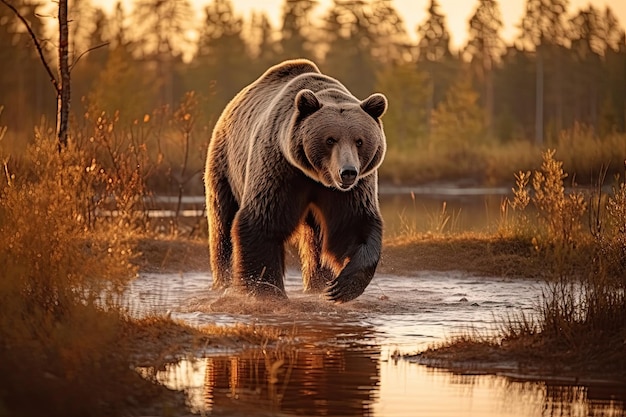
(347, 287)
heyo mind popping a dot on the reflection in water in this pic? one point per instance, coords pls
(360, 381)
(341, 363)
(412, 389)
(307, 380)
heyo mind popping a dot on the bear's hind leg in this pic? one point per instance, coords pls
(258, 255)
(221, 210)
(315, 276)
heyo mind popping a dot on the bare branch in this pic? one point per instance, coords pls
(55, 82)
(85, 53)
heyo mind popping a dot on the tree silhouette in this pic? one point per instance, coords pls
(434, 38)
(543, 30)
(266, 48)
(350, 43)
(61, 83)
(222, 63)
(484, 47)
(434, 56)
(162, 26)
(296, 35)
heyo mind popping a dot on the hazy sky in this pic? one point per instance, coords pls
(457, 13)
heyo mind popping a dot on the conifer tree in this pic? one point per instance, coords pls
(458, 121)
(543, 30)
(484, 47)
(161, 27)
(406, 119)
(221, 66)
(434, 55)
(266, 48)
(350, 44)
(296, 32)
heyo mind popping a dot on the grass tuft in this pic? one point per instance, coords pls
(580, 323)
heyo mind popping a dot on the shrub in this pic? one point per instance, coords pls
(61, 338)
(582, 316)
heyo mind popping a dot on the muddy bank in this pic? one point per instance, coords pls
(478, 254)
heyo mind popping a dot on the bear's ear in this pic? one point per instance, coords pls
(375, 105)
(307, 103)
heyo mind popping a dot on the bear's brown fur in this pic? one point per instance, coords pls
(294, 156)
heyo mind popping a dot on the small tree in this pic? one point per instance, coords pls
(458, 121)
(61, 83)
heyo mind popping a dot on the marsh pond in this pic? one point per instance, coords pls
(358, 358)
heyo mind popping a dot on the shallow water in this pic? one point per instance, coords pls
(342, 359)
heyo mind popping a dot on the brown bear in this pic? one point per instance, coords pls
(294, 157)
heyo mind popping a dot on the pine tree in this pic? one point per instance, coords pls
(391, 40)
(434, 55)
(162, 28)
(458, 121)
(406, 119)
(350, 43)
(543, 30)
(266, 48)
(484, 47)
(434, 38)
(221, 66)
(297, 39)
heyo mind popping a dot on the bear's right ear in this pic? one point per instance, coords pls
(307, 103)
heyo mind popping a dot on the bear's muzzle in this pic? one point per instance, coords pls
(348, 175)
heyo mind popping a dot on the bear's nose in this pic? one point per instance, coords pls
(348, 175)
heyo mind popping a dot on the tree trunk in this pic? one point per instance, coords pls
(63, 88)
(539, 99)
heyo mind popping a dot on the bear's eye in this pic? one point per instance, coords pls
(331, 141)
(359, 143)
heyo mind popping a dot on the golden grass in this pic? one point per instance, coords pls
(66, 347)
(471, 252)
(583, 154)
(580, 323)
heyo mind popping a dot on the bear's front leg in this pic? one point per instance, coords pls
(362, 252)
(308, 239)
(258, 255)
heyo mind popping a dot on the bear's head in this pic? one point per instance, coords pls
(336, 139)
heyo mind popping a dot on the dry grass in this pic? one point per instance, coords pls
(60, 341)
(581, 151)
(481, 254)
(66, 348)
(580, 324)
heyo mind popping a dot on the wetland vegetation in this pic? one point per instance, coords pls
(77, 222)
(64, 329)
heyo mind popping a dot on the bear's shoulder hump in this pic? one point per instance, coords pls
(290, 69)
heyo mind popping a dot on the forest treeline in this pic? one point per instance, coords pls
(565, 69)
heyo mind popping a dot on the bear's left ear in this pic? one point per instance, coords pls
(375, 105)
(307, 103)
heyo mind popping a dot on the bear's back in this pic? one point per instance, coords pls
(283, 72)
(270, 91)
